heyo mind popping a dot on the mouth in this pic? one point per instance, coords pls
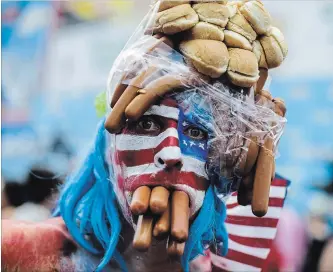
(187, 182)
(162, 210)
(161, 214)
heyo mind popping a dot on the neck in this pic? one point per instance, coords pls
(155, 259)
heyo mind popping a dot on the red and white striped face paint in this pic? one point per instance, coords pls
(162, 148)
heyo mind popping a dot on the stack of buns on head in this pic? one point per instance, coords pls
(224, 38)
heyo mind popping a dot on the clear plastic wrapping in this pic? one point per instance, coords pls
(225, 121)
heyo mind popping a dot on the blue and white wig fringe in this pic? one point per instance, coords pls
(89, 206)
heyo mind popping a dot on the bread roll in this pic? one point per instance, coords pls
(233, 8)
(258, 17)
(233, 39)
(213, 13)
(239, 24)
(166, 4)
(176, 19)
(275, 47)
(243, 67)
(223, 2)
(279, 37)
(209, 57)
(260, 54)
(205, 31)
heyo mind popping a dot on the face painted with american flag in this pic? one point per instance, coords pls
(164, 147)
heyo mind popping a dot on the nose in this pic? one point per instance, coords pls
(169, 158)
(170, 155)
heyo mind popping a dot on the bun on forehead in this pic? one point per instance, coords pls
(207, 56)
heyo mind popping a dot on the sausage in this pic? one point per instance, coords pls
(263, 97)
(140, 200)
(159, 200)
(162, 226)
(273, 170)
(280, 107)
(251, 157)
(262, 178)
(120, 88)
(244, 189)
(154, 91)
(116, 118)
(143, 234)
(264, 167)
(180, 211)
(263, 75)
(174, 248)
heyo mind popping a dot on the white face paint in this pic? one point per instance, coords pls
(162, 148)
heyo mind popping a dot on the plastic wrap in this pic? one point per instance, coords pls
(176, 124)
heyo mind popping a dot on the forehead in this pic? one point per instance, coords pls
(186, 107)
(167, 107)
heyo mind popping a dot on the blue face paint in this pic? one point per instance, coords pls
(195, 112)
(196, 148)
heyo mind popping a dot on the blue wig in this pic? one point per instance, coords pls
(89, 207)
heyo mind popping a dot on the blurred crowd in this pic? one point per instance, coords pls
(56, 58)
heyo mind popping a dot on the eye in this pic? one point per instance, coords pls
(148, 124)
(195, 133)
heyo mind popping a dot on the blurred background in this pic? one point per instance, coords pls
(56, 56)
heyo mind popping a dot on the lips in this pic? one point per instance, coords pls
(188, 182)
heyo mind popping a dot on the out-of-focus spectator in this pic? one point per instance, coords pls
(32, 200)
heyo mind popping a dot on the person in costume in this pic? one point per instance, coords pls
(189, 125)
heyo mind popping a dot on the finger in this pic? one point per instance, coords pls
(162, 226)
(117, 116)
(143, 234)
(140, 200)
(159, 200)
(175, 248)
(180, 216)
(154, 91)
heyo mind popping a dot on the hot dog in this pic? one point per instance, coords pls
(140, 200)
(162, 226)
(180, 216)
(120, 88)
(174, 248)
(143, 234)
(159, 200)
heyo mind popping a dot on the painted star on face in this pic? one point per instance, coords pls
(185, 124)
(184, 142)
(192, 143)
(202, 146)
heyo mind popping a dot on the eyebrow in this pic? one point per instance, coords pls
(163, 111)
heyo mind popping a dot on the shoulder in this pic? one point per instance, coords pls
(30, 246)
